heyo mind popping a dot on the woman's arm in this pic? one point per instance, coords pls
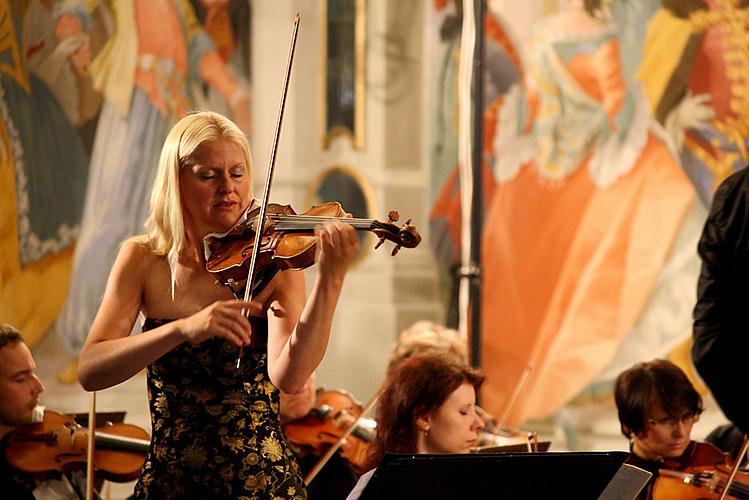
(111, 356)
(295, 349)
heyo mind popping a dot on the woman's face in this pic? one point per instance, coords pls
(215, 189)
(454, 426)
(663, 436)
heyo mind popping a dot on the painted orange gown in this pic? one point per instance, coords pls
(575, 237)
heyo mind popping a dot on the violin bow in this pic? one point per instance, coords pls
(269, 178)
(90, 447)
(331, 451)
(514, 396)
(735, 468)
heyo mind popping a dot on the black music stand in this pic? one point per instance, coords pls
(574, 475)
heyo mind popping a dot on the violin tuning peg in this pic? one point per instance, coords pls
(408, 223)
(395, 250)
(393, 216)
(380, 242)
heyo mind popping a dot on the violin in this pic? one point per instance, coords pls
(288, 241)
(334, 412)
(703, 477)
(59, 445)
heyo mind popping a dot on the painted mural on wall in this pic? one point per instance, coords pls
(100, 83)
(699, 87)
(596, 202)
(503, 71)
(43, 163)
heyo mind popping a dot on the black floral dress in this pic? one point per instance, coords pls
(215, 429)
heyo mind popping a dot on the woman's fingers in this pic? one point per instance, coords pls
(238, 316)
(238, 329)
(338, 238)
(352, 238)
(246, 309)
(334, 229)
(227, 319)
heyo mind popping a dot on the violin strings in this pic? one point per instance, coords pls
(308, 222)
(291, 218)
(285, 226)
(304, 220)
(736, 487)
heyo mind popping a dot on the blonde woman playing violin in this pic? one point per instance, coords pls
(215, 428)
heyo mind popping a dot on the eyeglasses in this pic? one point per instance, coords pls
(674, 421)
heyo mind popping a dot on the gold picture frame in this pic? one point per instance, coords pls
(343, 24)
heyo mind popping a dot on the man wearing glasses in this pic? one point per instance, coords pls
(658, 406)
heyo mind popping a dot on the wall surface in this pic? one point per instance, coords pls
(383, 294)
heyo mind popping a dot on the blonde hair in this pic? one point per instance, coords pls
(427, 336)
(165, 225)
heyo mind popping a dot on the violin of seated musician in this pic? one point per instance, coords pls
(703, 476)
(334, 412)
(312, 421)
(58, 444)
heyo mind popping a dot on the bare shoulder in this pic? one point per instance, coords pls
(135, 261)
(136, 247)
(123, 295)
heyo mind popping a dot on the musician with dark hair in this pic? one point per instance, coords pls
(657, 406)
(20, 388)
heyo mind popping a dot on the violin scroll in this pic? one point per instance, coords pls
(405, 236)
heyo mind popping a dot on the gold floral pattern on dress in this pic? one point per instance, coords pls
(252, 459)
(271, 448)
(216, 432)
(227, 473)
(234, 444)
(199, 395)
(194, 457)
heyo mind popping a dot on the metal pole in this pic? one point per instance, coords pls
(470, 98)
(476, 208)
